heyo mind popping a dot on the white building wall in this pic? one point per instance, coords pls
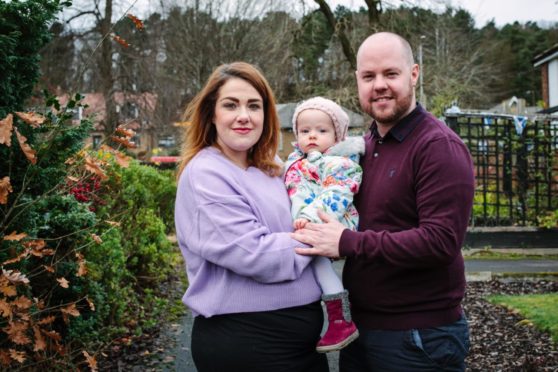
(553, 83)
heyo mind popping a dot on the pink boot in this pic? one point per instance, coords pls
(341, 330)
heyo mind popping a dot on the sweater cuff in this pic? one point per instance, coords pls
(347, 242)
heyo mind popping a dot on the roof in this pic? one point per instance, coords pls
(96, 107)
(546, 56)
(286, 111)
(550, 110)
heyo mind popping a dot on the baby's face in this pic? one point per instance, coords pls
(315, 131)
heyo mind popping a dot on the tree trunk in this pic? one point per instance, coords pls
(105, 67)
(340, 31)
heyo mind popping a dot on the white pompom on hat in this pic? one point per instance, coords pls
(338, 116)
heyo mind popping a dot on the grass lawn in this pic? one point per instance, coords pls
(540, 309)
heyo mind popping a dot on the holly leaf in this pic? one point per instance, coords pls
(5, 189)
(30, 154)
(6, 126)
(31, 118)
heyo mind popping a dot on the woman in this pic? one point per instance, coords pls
(255, 301)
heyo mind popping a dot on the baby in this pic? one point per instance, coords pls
(323, 174)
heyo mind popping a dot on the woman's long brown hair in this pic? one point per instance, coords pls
(201, 132)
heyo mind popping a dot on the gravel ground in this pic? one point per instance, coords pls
(499, 342)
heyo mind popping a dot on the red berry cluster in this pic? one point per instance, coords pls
(86, 191)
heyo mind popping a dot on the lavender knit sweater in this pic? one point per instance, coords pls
(233, 230)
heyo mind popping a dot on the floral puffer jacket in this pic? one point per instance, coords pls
(325, 181)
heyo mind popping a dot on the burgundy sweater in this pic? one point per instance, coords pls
(404, 267)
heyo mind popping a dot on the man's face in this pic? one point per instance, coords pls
(386, 80)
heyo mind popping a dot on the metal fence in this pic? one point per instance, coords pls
(516, 166)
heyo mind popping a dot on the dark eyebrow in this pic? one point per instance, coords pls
(234, 99)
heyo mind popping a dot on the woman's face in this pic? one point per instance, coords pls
(238, 119)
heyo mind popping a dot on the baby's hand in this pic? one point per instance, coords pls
(300, 223)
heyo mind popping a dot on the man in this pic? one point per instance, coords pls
(404, 270)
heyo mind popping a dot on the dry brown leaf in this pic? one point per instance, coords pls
(47, 320)
(31, 118)
(91, 361)
(5, 309)
(93, 166)
(36, 244)
(40, 343)
(15, 236)
(112, 223)
(16, 332)
(21, 256)
(52, 334)
(37, 248)
(122, 160)
(63, 282)
(15, 276)
(5, 358)
(49, 268)
(124, 142)
(70, 310)
(18, 356)
(22, 302)
(82, 270)
(6, 126)
(5, 189)
(128, 133)
(73, 179)
(90, 303)
(96, 238)
(30, 154)
(8, 290)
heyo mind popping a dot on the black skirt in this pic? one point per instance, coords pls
(268, 341)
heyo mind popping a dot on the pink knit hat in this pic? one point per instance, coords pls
(339, 118)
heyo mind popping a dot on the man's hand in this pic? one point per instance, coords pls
(323, 237)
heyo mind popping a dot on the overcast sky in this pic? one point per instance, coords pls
(502, 11)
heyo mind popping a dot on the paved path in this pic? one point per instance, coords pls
(512, 266)
(476, 270)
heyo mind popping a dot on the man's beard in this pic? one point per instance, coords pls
(394, 115)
